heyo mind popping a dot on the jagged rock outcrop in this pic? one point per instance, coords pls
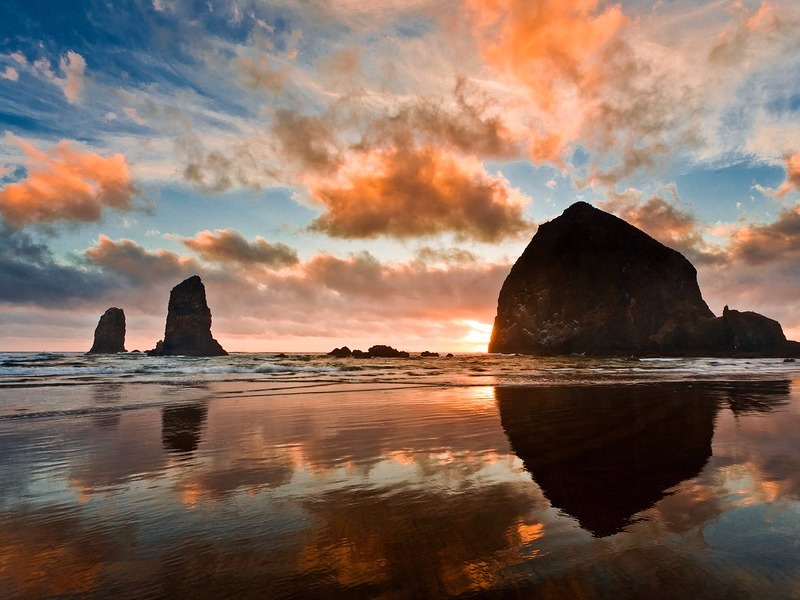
(377, 351)
(188, 329)
(343, 352)
(109, 336)
(382, 351)
(591, 283)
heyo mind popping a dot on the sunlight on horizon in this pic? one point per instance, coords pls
(478, 335)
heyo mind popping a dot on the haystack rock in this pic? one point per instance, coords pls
(109, 336)
(188, 329)
(591, 283)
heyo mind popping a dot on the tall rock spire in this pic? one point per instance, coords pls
(188, 329)
(109, 336)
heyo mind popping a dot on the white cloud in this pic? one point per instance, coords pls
(10, 73)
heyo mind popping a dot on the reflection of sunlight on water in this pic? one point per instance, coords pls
(529, 532)
(442, 458)
(745, 486)
(479, 399)
(401, 457)
(190, 494)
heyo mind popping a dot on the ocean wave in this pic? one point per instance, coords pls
(73, 369)
(83, 411)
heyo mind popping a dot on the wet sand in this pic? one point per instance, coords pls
(254, 489)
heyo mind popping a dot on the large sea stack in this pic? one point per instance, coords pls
(109, 336)
(188, 329)
(591, 283)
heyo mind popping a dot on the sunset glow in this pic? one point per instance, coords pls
(367, 172)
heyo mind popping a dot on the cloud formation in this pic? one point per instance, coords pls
(66, 184)
(547, 43)
(138, 266)
(340, 287)
(229, 246)
(777, 241)
(73, 65)
(405, 192)
(356, 297)
(670, 223)
(309, 142)
(737, 41)
(258, 73)
(30, 274)
(10, 73)
(792, 182)
(558, 49)
(463, 120)
(760, 270)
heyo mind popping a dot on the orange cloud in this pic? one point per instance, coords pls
(137, 265)
(759, 269)
(547, 42)
(65, 184)
(404, 192)
(669, 223)
(777, 241)
(556, 48)
(227, 245)
(738, 39)
(792, 176)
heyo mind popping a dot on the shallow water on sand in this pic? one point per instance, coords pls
(307, 477)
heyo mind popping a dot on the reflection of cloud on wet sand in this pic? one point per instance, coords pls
(355, 430)
(45, 555)
(401, 493)
(370, 542)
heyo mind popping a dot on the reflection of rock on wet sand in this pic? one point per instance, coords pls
(605, 453)
(181, 427)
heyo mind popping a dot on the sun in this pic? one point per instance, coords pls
(477, 338)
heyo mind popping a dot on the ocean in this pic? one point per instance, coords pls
(476, 476)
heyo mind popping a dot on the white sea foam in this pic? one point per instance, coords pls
(78, 381)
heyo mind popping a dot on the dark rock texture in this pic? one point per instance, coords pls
(591, 283)
(378, 351)
(181, 427)
(343, 352)
(381, 351)
(603, 453)
(109, 336)
(188, 329)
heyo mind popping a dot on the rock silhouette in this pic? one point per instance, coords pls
(602, 454)
(109, 336)
(343, 352)
(591, 283)
(377, 351)
(181, 427)
(188, 328)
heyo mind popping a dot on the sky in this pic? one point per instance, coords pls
(364, 172)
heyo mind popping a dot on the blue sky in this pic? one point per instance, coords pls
(404, 151)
